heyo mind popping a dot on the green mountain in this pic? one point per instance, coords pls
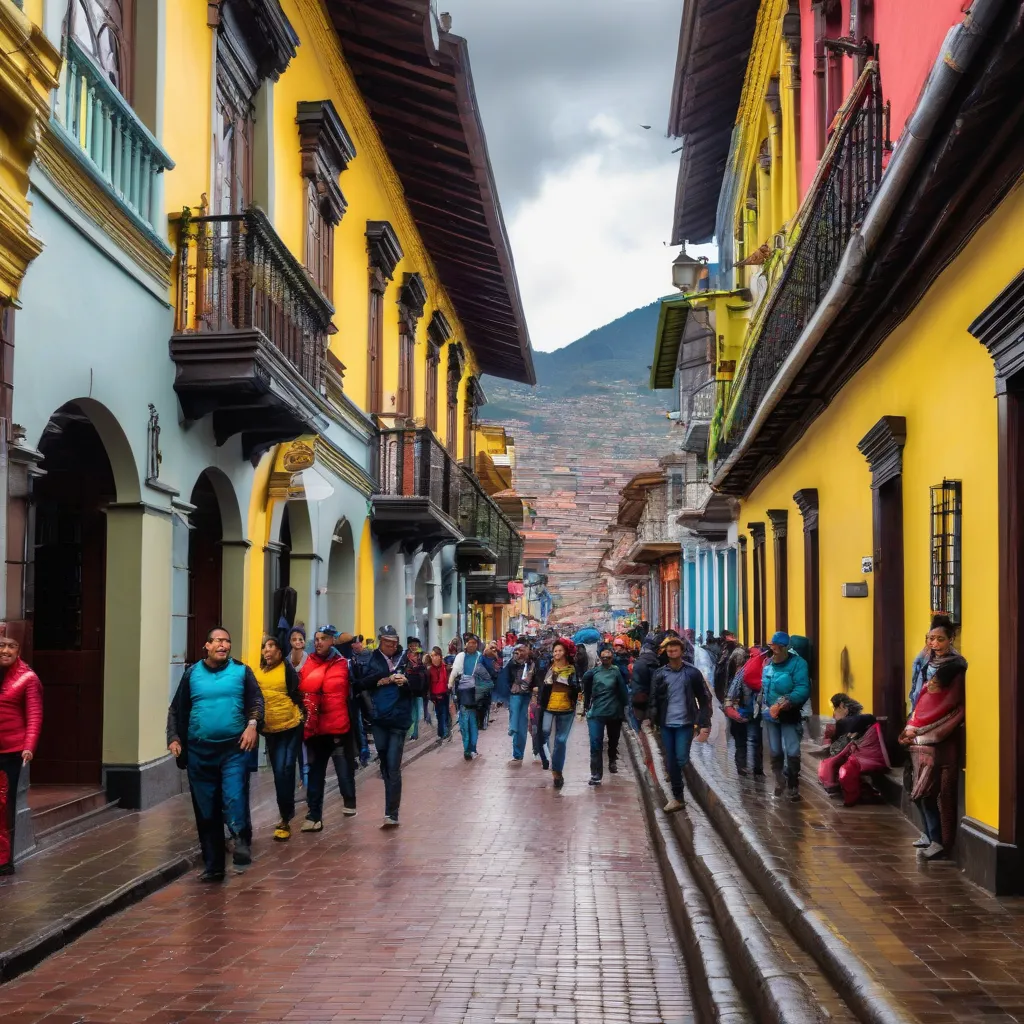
(597, 364)
(588, 426)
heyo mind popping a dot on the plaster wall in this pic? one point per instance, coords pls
(931, 371)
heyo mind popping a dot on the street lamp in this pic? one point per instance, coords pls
(687, 271)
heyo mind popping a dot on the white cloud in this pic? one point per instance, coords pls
(590, 246)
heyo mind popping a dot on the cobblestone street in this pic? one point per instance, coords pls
(498, 899)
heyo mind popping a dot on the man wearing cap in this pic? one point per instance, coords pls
(680, 703)
(384, 685)
(785, 688)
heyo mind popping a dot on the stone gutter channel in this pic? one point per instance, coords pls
(30, 953)
(754, 949)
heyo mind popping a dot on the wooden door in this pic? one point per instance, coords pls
(70, 598)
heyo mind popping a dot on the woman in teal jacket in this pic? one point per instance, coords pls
(786, 685)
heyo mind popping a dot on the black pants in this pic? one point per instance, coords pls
(10, 765)
(483, 710)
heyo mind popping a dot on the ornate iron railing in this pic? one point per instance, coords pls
(481, 518)
(114, 144)
(414, 464)
(846, 181)
(236, 274)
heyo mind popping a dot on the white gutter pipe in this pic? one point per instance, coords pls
(958, 51)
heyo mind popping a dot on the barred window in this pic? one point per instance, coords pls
(947, 526)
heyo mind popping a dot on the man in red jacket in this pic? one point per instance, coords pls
(324, 686)
(21, 719)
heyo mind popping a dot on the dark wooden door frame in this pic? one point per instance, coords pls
(757, 535)
(882, 446)
(744, 592)
(807, 502)
(1000, 328)
(779, 518)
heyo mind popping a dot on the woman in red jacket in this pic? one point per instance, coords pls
(324, 686)
(21, 718)
(437, 688)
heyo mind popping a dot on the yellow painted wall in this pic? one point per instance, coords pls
(931, 371)
(258, 532)
(188, 105)
(373, 192)
(365, 585)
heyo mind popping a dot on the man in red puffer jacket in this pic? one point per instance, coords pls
(324, 686)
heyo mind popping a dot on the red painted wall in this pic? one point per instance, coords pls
(909, 34)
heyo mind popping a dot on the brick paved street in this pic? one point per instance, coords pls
(497, 900)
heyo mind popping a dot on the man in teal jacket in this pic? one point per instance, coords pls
(786, 685)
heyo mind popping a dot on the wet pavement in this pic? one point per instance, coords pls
(946, 950)
(498, 899)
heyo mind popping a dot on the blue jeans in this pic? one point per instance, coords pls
(414, 729)
(355, 715)
(219, 779)
(469, 729)
(561, 723)
(929, 808)
(390, 744)
(518, 717)
(784, 737)
(598, 726)
(426, 709)
(442, 715)
(676, 741)
(283, 752)
(747, 736)
(322, 750)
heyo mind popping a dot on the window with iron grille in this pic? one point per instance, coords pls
(947, 515)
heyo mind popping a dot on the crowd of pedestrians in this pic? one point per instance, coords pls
(323, 701)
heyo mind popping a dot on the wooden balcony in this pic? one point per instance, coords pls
(250, 341)
(418, 488)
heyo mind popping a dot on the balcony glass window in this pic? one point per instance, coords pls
(104, 29)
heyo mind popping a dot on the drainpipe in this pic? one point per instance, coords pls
(958, 51)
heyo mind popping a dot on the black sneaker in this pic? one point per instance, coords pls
(242, 854)
(467, 757)
(613, 767)
(594, 781)
(742, 771)
(210, 876)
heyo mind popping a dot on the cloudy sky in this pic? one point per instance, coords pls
(564, 86)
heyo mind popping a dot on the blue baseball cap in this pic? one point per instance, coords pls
(327, 630)
(780, 638)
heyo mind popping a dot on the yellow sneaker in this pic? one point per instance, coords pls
(282, 832)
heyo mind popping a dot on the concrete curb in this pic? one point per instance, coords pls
(715, 992)
(776, 993)
(840, 964)
(30, 953)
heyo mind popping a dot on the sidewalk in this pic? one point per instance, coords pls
(64, 891)
(946, 950)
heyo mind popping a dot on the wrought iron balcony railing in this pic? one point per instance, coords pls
(847, 179)
(112, 142)
(483, 523)
(236, 274)
(414, 464)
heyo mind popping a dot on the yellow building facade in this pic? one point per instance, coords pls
(864, 327)
(256, 403)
